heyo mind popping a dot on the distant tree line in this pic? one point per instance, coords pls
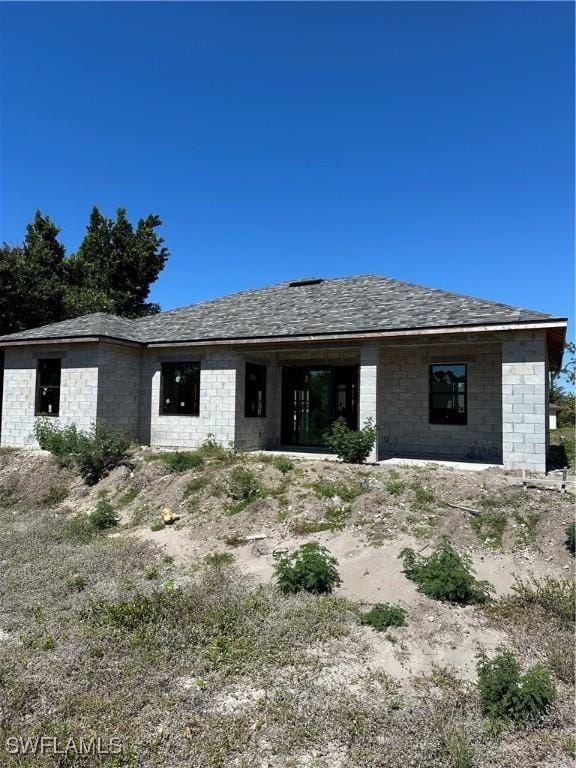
(111, 271)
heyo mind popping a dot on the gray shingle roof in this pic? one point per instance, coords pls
(341, 305)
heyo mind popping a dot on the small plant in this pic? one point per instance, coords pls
(422, 496)
(195, 485)
(158, 526)
(383, 615)
(571, 538)
(76, 529)
(178, 461)
(395, 487)
(151, 572)
(127, 497)
(76, 583)
(490, 527)
(243, 485)
(311, 568)
(219, 559)
(338, 489)
(505, 693)
(555, 596)
(445, 575)
(211, 450)
(352, 446)
(103, 516)
(283, 464)
(93, 453)
(56, 494)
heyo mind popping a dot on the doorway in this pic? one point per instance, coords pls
(315, 396)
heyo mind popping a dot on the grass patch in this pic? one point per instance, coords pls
(126, 498)
(283, 464)
(179, 461)
(395, 487)
(196, 485)
(555, 596)
(490, 528)
(335, 519)
(219, 559)
(57, 493)
(347, 491)
(527, 526)
(421, 496)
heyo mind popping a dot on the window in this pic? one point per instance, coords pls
(448, 394)
(255, 390)
(180, 389)
(48, 387)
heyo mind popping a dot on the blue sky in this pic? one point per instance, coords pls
(430, 142)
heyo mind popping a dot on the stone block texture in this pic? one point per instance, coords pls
(525, 402)
(403, 403)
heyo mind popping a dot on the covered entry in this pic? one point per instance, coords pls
(315, 396)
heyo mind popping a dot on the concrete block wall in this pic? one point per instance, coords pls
(78, 389)
(217, 400)
(403, 403)
(525, 402)
(253, 432)
(119, 387)
(369, 386)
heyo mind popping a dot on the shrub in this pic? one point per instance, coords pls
(211, 450)
(243, 485)
(555, 596)
(571, 538)
(283, 464)
(338, 489)
(395, 487)
(103, 516)
(445, 575)
(352, 446)
(179, 461)
(383, 615)
(93, 453)
(310, 568)
(505, 693)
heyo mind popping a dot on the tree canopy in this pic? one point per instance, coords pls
(112, 271)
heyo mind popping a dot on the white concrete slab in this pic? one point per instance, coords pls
(466, 466)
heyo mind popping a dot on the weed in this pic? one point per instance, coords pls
(395, 487)
(38, 641)
(528, 523)
(422, 496)
(383, 615)
(56, 494)
(555, 596)
(310, 568)
(195, 485)
(283, 464)
(505, 693)
(103, 516)
(127, 498)
(338, 489)
(490, 527)
(151, 572)
(76, 529)
(243, 485)
(219, 559)
(445, 575)
(158, 526)
(75, 583)
(178, 461)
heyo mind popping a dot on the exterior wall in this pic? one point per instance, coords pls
(78, 389)
(525, 402)
(119, 387)
(253, 433)
(404, 428)
(217, 400)
(368, 391)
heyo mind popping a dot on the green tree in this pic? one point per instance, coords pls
(32, 278)
(115, 266)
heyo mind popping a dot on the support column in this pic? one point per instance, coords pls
(524, 404)
(368, 394)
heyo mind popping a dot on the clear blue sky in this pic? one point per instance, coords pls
(429, 142)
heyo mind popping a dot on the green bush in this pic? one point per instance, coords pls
(179, 461)
(103, 516)
(383, 615)
(571, 538)
(310, 568)
(445, 575)
(93, 453)
(352, 446)
(243, 485)
(505, 693)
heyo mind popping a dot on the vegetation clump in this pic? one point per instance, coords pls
(505, 693)
(383, 615)
(347, 491)
(283, 464)
(352, 446)
(103, 516)
(219, 559)
(445, 575)
(243, 485)
(178, 461)
(311, 568)
(571, 538)
(93, 453)
(555, 596)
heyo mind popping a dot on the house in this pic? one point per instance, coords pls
(442, 375)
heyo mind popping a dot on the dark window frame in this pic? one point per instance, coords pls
(195, 410)
(39, 386)
(447, 416)
(251, 393)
